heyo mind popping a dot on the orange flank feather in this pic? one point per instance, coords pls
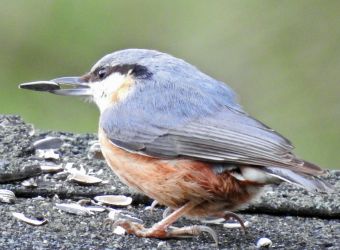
(175, 182)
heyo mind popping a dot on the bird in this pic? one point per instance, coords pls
(180, 137)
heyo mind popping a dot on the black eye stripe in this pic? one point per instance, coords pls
(100, 73)
(137, 70)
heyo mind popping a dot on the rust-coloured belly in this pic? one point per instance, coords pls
(175, 182)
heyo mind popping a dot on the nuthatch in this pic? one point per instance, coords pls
(179, 136)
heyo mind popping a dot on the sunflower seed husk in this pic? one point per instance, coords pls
(29, 183)
(115, 215)
(34, 222)
(84, 179)
(48, 143)
(214, 221)
(73, 170)
(97, 209)
(116, 200)
(236, 225)
(7, 196)
(73, 208)
(51, 169)
(47, 154)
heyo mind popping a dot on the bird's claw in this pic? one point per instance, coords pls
(160, 232)
(230, 215)
(117, 215)
(190, 231)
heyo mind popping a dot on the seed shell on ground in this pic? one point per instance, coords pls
(34, 222)
(236, 225)
(7, 196)
(84, 179)
(73, 208)
(47, 154)
(51, 169)
(116, 200)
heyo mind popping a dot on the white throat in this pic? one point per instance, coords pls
(104, 91)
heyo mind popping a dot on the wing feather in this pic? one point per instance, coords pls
(205, 126)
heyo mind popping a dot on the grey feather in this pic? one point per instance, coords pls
(307, 182)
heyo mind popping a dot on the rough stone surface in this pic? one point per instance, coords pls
(289, 216)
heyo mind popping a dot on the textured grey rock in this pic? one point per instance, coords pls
(289, 216)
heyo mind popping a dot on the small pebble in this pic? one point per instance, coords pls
(264, 242)
(163, 245)
(119, 230)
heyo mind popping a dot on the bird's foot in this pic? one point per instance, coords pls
(161, 232)
(230, 215)
(191, 231)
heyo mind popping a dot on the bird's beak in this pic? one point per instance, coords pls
(70, 86)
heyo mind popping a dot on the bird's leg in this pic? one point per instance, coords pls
(163, 230)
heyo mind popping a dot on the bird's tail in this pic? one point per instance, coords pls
(309, 182)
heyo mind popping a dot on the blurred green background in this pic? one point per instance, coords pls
(282, 58)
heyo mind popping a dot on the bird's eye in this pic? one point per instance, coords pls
(102, 73)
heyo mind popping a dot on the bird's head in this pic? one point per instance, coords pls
(112, 78)
(147, 76)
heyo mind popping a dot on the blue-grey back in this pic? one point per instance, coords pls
(178, 111)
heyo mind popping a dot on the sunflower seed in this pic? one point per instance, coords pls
(7, 196)
(40, 86)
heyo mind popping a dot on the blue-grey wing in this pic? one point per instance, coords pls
(203, 122)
